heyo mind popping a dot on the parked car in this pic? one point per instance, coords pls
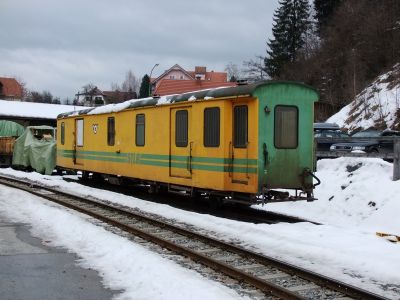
(369, 141)
(326, 134)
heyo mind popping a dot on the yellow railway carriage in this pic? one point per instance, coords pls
(239, 143)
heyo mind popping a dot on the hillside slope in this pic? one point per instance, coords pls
(377, 106)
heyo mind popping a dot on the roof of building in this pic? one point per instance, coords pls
(10, 88)
(211, 76)
(32, 110)
(118, 96)
(170, 86)
(173, 68)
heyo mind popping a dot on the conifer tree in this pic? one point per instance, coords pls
(145, 87)
(290, 25)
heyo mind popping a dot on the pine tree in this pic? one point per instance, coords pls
(145, 87)
(291, 24)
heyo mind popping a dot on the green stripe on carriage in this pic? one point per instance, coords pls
(198, 163)
(195, 159)
(214, 168)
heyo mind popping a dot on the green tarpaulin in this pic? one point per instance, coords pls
(9, 128)
(36, 148)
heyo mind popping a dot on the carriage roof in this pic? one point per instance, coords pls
(241, 90)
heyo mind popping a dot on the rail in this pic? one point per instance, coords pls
(390, 155)
(268, 275)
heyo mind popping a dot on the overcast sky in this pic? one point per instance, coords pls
(61, 45)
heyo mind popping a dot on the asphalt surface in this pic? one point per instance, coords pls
(30, 270)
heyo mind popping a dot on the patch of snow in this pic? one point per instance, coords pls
(192, 98)
(123, 265)
(35, 110)
(377, 104)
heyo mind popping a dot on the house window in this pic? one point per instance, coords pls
(181, 128)
(62, 133)
(87, 98)
(171, 77)
(111, 131)
(140, 130)
(286, 133)
(211, 127)
(240, 126)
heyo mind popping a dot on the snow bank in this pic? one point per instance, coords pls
(123, 265)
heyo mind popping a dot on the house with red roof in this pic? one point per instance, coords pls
(10, 89)
(177, 80)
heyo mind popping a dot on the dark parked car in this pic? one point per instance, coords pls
(326, 134)
(369, 141)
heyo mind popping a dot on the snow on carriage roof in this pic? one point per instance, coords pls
(242, 90)
(34, 110)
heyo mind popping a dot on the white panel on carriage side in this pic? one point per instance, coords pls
(79, 132)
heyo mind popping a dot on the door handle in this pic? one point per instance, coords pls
(190, 157)
(265, 154)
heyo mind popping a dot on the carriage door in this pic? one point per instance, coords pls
(78, 141)
(239, 148)
(180, 159)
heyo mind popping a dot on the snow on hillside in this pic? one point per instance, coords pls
(376, 106)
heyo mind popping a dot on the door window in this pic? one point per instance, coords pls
(240, 126)
(181, 128)
(286, 127)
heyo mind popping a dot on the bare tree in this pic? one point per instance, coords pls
(233, 71)
(131, 83)
(254, 70)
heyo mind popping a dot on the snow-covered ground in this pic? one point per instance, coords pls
(356, 199)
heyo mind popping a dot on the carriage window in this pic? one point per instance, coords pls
(62, 133)
(181, 128)
(240, 126)
(140, 130)
(211, 127)
(286, 127)
(111, 131)
(79, 132)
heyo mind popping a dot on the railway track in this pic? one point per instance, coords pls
(273, 278)
(228, 211)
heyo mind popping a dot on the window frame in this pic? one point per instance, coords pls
(111, 133)
(62, 133)
(182, 143)
(217, 130)
(137, 124)
(275, 126)
(235, 144)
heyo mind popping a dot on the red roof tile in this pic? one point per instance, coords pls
(212, 76)
(170, 86)
(10, 88)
